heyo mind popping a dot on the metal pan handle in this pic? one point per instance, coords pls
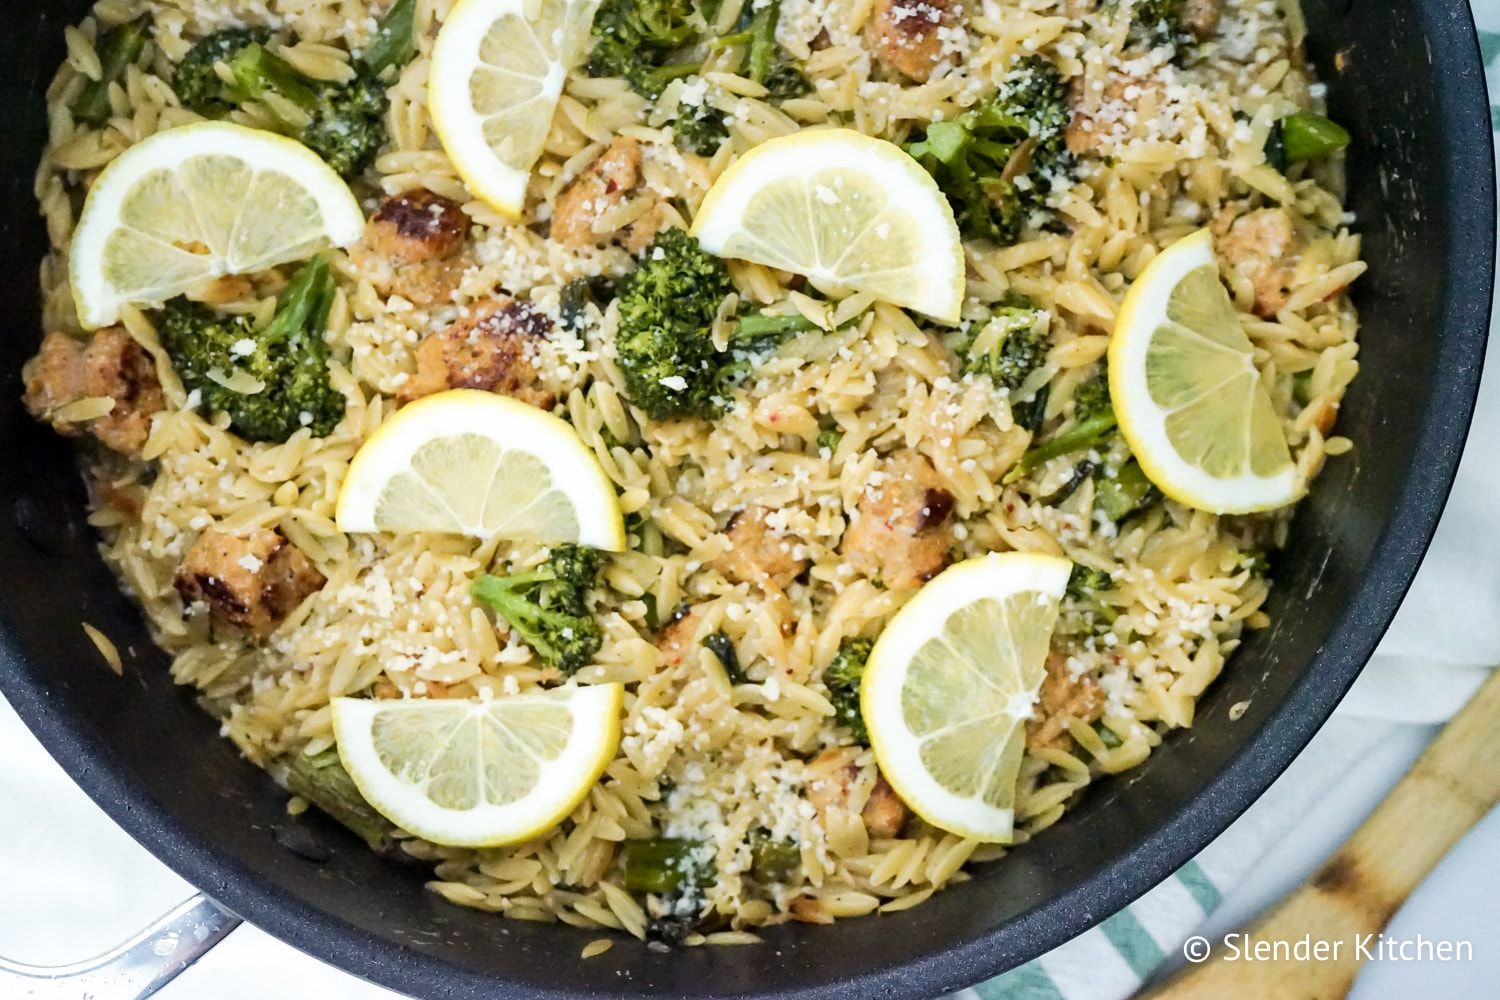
(134, 970)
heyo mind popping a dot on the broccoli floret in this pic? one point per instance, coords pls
(118, 49)
(343, 123)
(666, 306)
(548, 606)
(1085, 595)
(1123, 492)
(843, 677)
(196, 79)
(699, 128)
(222, 357)
(636, 40)
(998, 162)
(1009, 346)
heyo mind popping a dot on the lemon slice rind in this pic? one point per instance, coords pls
(499, 177)
(560, 781)
(513, 427)
(336, 218)
(1143, 422)
(994, 577)
(908, 226)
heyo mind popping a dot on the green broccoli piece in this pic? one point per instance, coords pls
(699, 128)
(1009, 346)
(1304, 136)
(323, 782)
(636, 40)
(1123, 492)
(998, 161)
(196, 79)
(119, 49)
(664, 865)
(723, 649)
(1084, 595)
(1092, 427)
(666, 306)
(343, 123)
(843, 677)
(772, 860)
(289, 358)
(395, 41)
(548, 606)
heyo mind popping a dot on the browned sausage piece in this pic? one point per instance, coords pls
(1265, 247)
(675, 640)
(415, 247)
(492, 348)
(1062, 697)
(1201, 17)
(836, 782)
(111, 364)
(249, 582)
(907, 35)
(601, 187)
(757, 553)
(901, 530)
(1090, 129)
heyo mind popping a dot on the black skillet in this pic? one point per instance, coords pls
(1404, 75)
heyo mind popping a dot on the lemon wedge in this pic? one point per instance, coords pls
(1190, 401)
(479, 773)
(474, 463)
(844, 209)
(951, 682)
(195, 203)
(498, 68)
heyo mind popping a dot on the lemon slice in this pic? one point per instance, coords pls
(1189, 399)
(498, 68)
(844, 209)
(479, 773)
(951, 682)
(466, 462)
(197, 202)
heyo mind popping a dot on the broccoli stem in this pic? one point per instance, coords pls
(257, 73)
(322, 781)
(663, 865)
(119, 49)
(772, 860)
(761, 324)
(723, 649)
(1088, 433)
(1122, 494)
(395, 42)
(762, 41)
(305, 304)
(1309, 136)
(656, 80)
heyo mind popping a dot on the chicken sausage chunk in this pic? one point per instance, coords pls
(492, 349)
(1265, 247)
(907, 35)
(759, 553)
(415, 246)
(835, 782)
(1062, 697)
(602, 186)
(110, 365)
(902, 527)
(675, 640)
(1202, 17)
(250, 582)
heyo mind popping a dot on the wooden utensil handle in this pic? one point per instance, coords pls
(1452, 786)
